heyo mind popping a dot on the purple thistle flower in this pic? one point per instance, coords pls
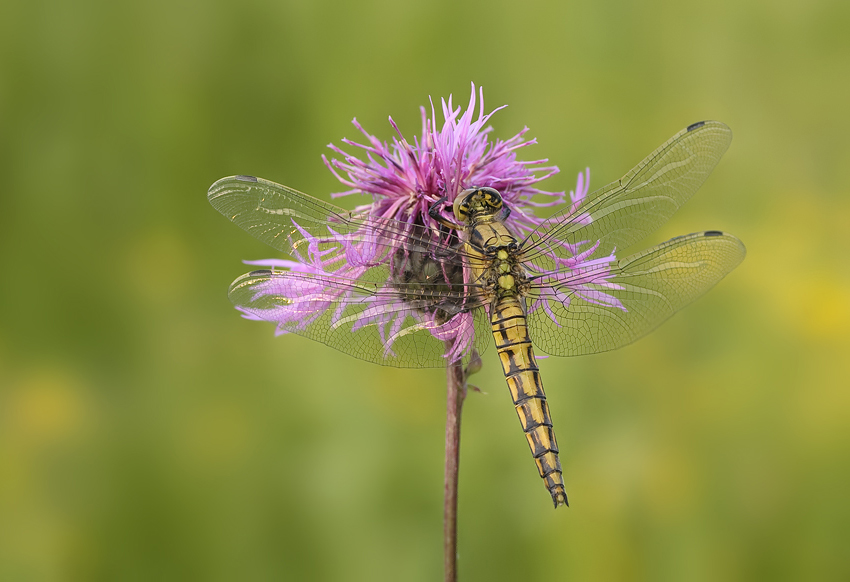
(405, 182)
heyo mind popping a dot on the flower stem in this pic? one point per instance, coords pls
(456, 381)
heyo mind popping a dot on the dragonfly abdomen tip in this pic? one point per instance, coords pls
(559, 498)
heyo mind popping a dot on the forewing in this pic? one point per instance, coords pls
(575, 315)
(624, 212)
(402, 325)
(295, 223)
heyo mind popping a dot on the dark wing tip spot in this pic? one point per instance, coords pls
(260, 273)
(246, 178)
(693, 126)
(713, 233)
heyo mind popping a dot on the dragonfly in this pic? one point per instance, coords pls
(408, 294)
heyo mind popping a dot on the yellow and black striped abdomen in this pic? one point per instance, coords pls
(523, 377)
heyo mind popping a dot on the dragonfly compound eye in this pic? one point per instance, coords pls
(461, 205)
(474, 201)
(491, 197)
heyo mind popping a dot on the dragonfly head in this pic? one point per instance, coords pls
(475, 202)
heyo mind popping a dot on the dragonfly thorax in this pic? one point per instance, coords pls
(498, 269)
(503, 274)
(476, 202)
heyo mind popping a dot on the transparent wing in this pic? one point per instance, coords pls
(381, 290)
(403, 325)
(624, 212)
(590, 311)
(295, 223)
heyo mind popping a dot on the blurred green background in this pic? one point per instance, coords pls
(147, 432)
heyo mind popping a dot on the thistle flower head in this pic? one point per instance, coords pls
(406, 179)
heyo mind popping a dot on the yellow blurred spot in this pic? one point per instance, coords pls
(46, 406)
(827, 312)
(802, 289)
(815, 304)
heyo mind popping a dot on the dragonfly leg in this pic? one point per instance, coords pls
(434, 212)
